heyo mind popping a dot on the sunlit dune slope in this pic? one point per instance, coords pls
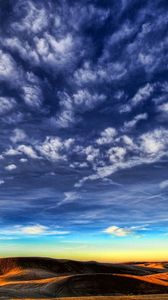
(153, 265)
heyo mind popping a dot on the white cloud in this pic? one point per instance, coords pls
(107, 136)
(54, 148)
(18, 135)
(8, 68)
(127, 141)
(88, 74)
(11, 152)
(116, 154)
(80, 101)
(10, 167)
(34, 21)
(31, 230)
(28, 151)
(6, 105)
(131, 124)
(154, 142)
(13, 118)
(55, 51)
(60, 46)
(32, 96)
(23, 48)
(83, 100)
(145, 59)
(71, 196)
(2, 181)
(118, 231)
(143, 94)
(164, 184)
(91, 153)
(163, 108)
(65, 118)
(127, 153)
(22, 149)
(51, 148)
(79, 165)
(23, 160)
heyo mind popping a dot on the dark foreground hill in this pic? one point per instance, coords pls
(46, 278)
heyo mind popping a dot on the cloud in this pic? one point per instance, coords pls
(64, 82)
(2, 181)
(13, 118)
(10, 167)
(11, 152)
(55, 52)
(32, 96)
(107, 136)
(163, 108)
(89, 74)
(116, 154)
(91, 153)
(148, 148)
(21, 149)
(143, 94)
(81, 101)
(164, 184)
(71, 196)
(54, 148)
(8, 67)
(23, 160)
(34, 21)
(31, 230)
(118, 231)
(154, 142)
(131, 124)
(18, 135)
(28, 151)
(6, 105)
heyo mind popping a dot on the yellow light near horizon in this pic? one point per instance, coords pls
(102, 253)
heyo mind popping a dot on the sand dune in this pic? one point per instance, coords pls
(50, 278)
(153, 265)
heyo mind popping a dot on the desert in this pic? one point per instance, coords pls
(46, 278)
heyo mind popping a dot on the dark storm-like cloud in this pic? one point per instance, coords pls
(83, 96)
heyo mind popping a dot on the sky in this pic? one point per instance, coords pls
(84, 129)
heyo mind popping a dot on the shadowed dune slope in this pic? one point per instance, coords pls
(103, 284)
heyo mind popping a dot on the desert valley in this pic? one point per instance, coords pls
(38, 278)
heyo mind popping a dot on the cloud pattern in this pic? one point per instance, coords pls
(83, 107)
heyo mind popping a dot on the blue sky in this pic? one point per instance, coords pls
(83, 118)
